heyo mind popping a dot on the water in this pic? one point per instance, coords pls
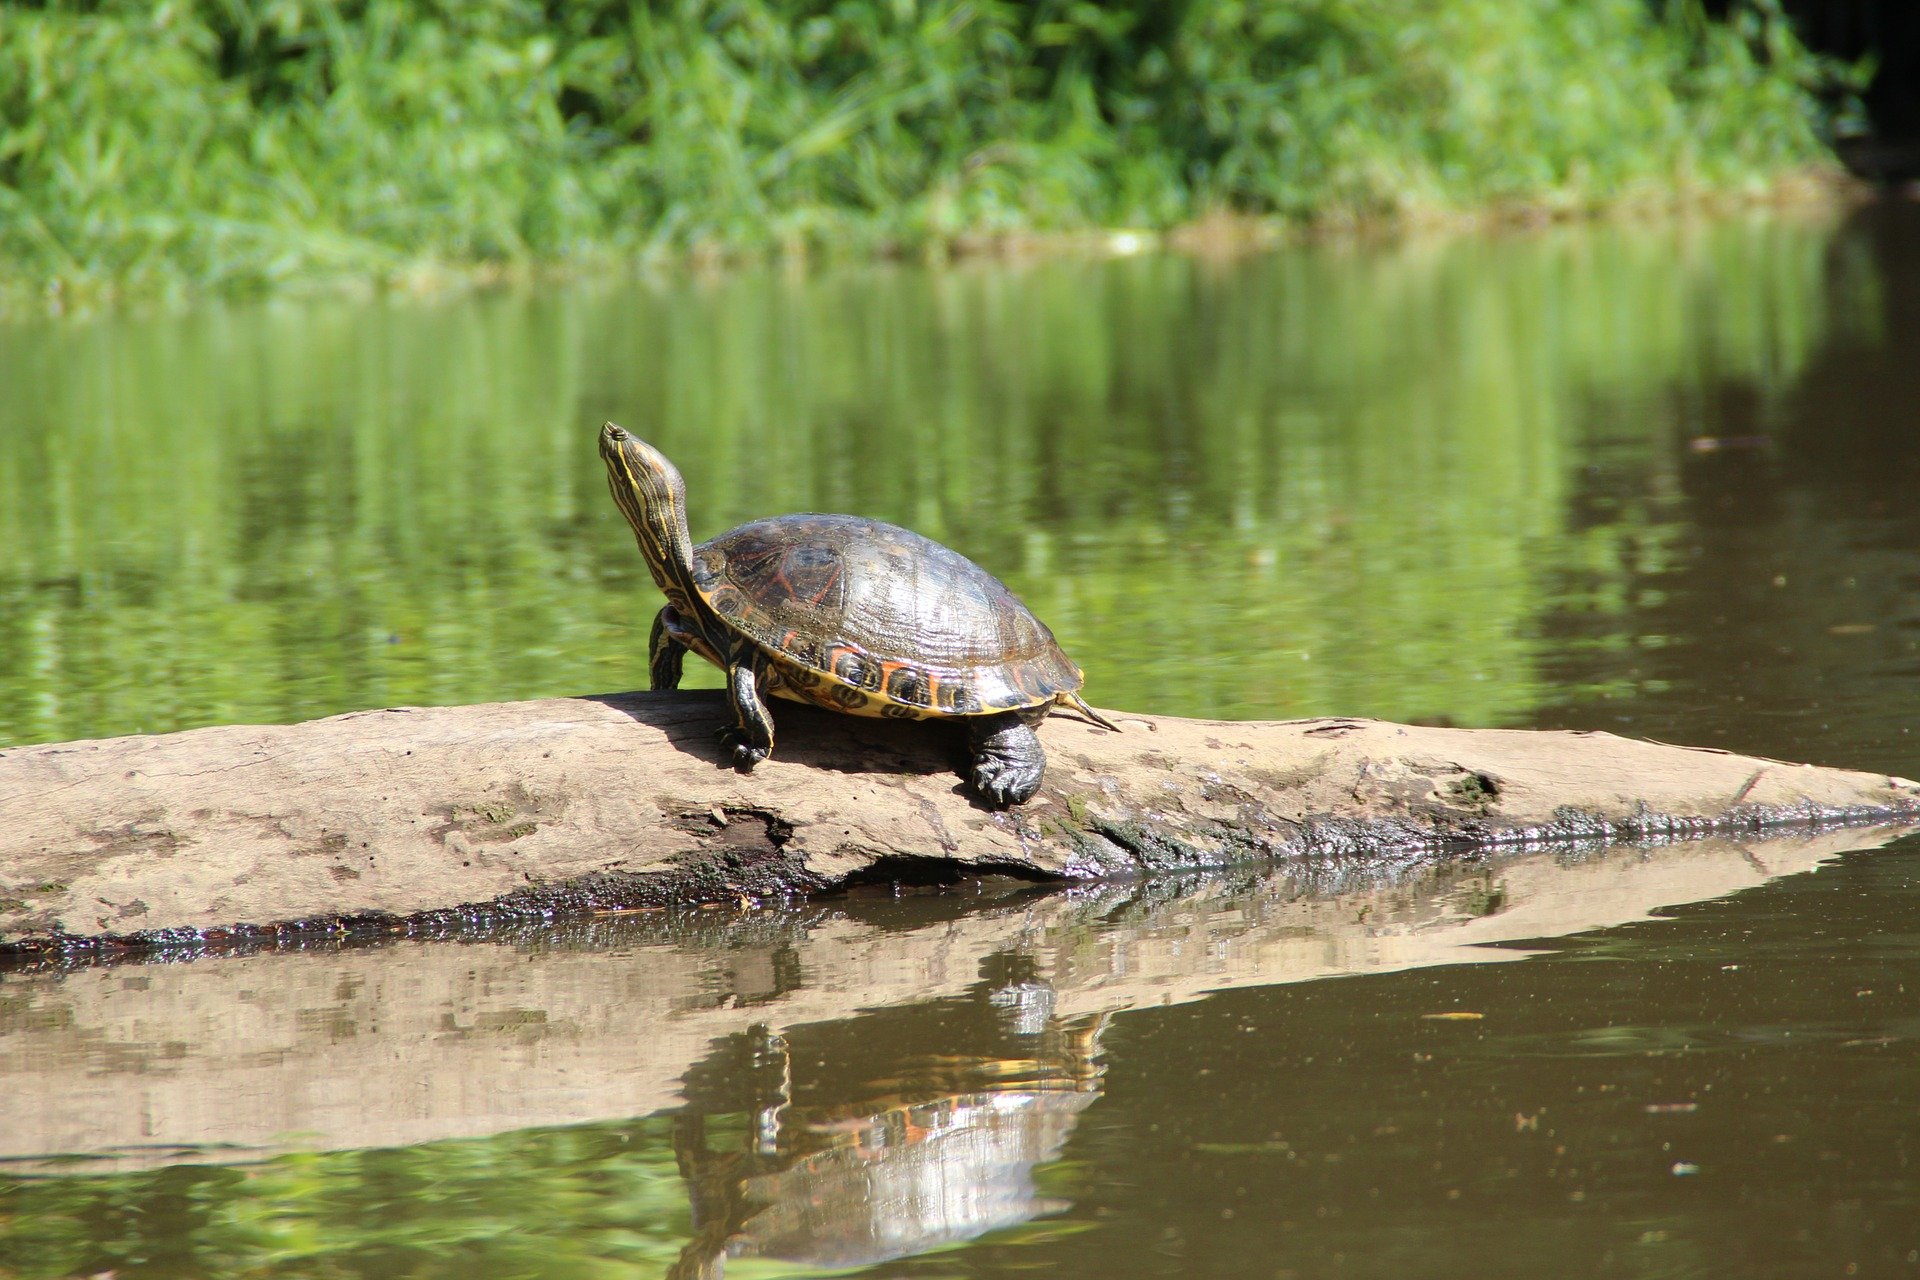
(1434, 480)
(1233, 1077)
(1653, 479)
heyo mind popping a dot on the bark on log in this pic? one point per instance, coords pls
(393, 819)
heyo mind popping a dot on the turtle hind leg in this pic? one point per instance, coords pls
(1079, 704)
(1007, 759)
(749, 740)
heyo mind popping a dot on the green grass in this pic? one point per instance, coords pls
(247, 143)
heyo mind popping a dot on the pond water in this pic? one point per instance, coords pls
(1655, 479)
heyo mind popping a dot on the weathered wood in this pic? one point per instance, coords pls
(594, 803)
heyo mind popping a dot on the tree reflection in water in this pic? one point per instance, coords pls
(841, 1167)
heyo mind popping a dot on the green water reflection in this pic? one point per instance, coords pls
(1334, 479)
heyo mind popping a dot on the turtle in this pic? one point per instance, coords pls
(846, 613)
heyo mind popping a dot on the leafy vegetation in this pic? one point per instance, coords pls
(245, 143)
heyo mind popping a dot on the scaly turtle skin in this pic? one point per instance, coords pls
(849, 614)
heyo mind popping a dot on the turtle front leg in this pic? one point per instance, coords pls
(665, 651)
(750, 739)
(1007, 758)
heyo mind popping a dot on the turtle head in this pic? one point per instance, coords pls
(652, 496)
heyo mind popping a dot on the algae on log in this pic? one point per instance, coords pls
(566, 804)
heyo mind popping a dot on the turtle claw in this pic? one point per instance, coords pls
(742, 752)
(1007, 760)
(1004, 783)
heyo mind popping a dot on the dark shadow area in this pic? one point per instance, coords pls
(1888, 32)
(693, 720)
(1851, 417)
(900, 874)
(844, 744)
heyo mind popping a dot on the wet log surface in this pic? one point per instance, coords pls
(408, 819)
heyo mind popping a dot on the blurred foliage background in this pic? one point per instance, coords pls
(242, 143)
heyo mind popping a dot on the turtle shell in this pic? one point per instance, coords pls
(868, 617)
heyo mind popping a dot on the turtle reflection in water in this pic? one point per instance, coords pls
(943, 1156)
(849, 614)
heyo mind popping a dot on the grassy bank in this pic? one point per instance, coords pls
(247, 143)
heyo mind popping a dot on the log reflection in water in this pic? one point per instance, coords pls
(389, 1046)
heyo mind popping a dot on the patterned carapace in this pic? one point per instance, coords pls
(866, 617)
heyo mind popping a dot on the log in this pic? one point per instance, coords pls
(412, 818)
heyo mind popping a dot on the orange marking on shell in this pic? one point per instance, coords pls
(856, 663)
(821, 594)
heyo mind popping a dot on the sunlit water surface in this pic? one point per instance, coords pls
(1657, 480)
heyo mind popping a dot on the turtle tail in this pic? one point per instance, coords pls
(1079, 704)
